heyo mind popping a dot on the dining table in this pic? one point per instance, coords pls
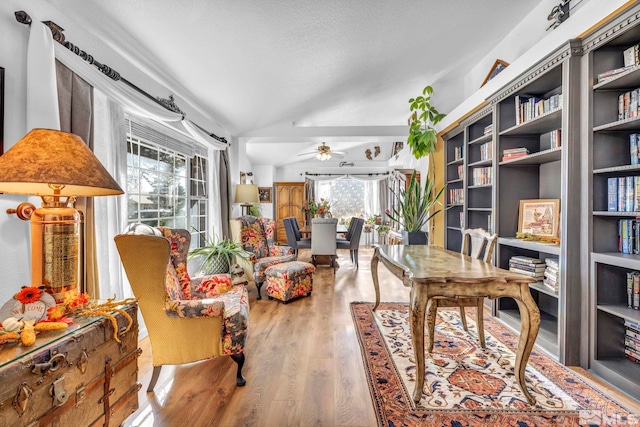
(433, 272)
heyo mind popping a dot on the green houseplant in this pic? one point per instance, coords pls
(415, 208)
(217, 256)
(424, 116)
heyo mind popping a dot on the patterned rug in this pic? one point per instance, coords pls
(466, 385)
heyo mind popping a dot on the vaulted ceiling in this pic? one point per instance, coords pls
(287, 75)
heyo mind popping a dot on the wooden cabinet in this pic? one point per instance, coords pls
(288, 202)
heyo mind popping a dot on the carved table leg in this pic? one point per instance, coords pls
(432, 310)
(529, 326)
(374, 275)
(417, 307)
(480, 321)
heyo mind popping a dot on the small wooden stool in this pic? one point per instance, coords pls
(289, 280)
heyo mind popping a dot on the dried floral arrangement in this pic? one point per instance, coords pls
(60, 316)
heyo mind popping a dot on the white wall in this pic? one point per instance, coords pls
(263, 177)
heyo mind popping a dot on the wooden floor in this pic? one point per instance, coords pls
(303, 364)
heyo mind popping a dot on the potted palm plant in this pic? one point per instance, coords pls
(217, 256)
(415, 207)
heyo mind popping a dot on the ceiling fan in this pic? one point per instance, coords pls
(324, 152)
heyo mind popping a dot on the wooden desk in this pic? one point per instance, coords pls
(306, 230)
(433, 272)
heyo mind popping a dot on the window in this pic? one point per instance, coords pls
(347, 197)
(165, 185)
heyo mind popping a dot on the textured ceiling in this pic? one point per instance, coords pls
(304, 72)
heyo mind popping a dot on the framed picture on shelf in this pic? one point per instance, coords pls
(265, 194)
(539, 217)
(496, 69)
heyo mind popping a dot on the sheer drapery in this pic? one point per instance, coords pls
(110, 212)
(215, 220)
(42, 94)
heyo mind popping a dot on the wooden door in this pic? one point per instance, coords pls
(289, 201)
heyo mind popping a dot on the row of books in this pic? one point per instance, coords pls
(633, 290)
(530, 107)
(634, 148)
(623, 194)
(462, 219)
(551, 277)
(490, 223)
(458, 153)
(514, 153)
(486, 151)
(632, 341)
(555, 138)
(631, 60)
(629, 236)
(456, 196)
(482, 176)
(488, 129)
(628, 104)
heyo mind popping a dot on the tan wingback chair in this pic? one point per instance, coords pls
(187, 319)
(479, 244)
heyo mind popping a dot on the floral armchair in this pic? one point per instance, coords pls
(188, 319)
(257, 236)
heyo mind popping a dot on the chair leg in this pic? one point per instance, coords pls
(351, 255)
(463, 317)
(480, 321)
(259, 285)
(355, 256)
(154, 378)
(239, 359)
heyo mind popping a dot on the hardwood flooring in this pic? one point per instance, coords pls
(303, 363)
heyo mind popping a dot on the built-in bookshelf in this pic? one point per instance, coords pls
(471, 177)
(455, 190)
(610, 88)
(537, 158)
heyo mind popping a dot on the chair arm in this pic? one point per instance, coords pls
(194, 308)
(277, 250)
(217, 284)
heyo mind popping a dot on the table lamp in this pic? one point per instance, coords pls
(246, 195)
(57, 166)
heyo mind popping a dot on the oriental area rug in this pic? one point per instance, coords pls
(466, 385)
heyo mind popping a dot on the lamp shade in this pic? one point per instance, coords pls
(247, 193)
(44, 158)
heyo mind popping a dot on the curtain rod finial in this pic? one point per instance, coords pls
(23, 17)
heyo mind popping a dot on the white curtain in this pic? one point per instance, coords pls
(202, 137)
(110, 212)
(215, 220)
(42, 91)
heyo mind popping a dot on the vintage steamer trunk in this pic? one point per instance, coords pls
(77, 377)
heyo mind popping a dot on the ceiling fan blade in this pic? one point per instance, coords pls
(339, 152)
(338, 156)
(308, 154)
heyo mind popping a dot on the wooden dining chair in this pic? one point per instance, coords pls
(479, 244)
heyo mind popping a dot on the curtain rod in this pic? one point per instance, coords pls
(342, 174)
(58, 35)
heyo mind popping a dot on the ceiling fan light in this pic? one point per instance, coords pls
(323, 156)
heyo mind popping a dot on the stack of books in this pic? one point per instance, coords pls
(533, 267)
(632, 340)
(488, 129)
(551, 274)
(633, 290)
(608, 75)
(514, 153)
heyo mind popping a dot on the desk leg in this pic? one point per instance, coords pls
(417, 308)
(432, 310)
(374, 276)
(529, 326)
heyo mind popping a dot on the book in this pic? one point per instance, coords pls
(527, 264)
(523, 258)
(630, 289)
(630, 56)
(612, 194)
(527, 268)
(534, 274)
(630, 186)
(636, 291)
(622, 191)
(633, 148)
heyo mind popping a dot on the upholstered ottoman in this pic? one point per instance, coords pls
(289, 280)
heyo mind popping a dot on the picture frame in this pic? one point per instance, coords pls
(397, 146)
(496, 69)
(539, 217)
(265, 194)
